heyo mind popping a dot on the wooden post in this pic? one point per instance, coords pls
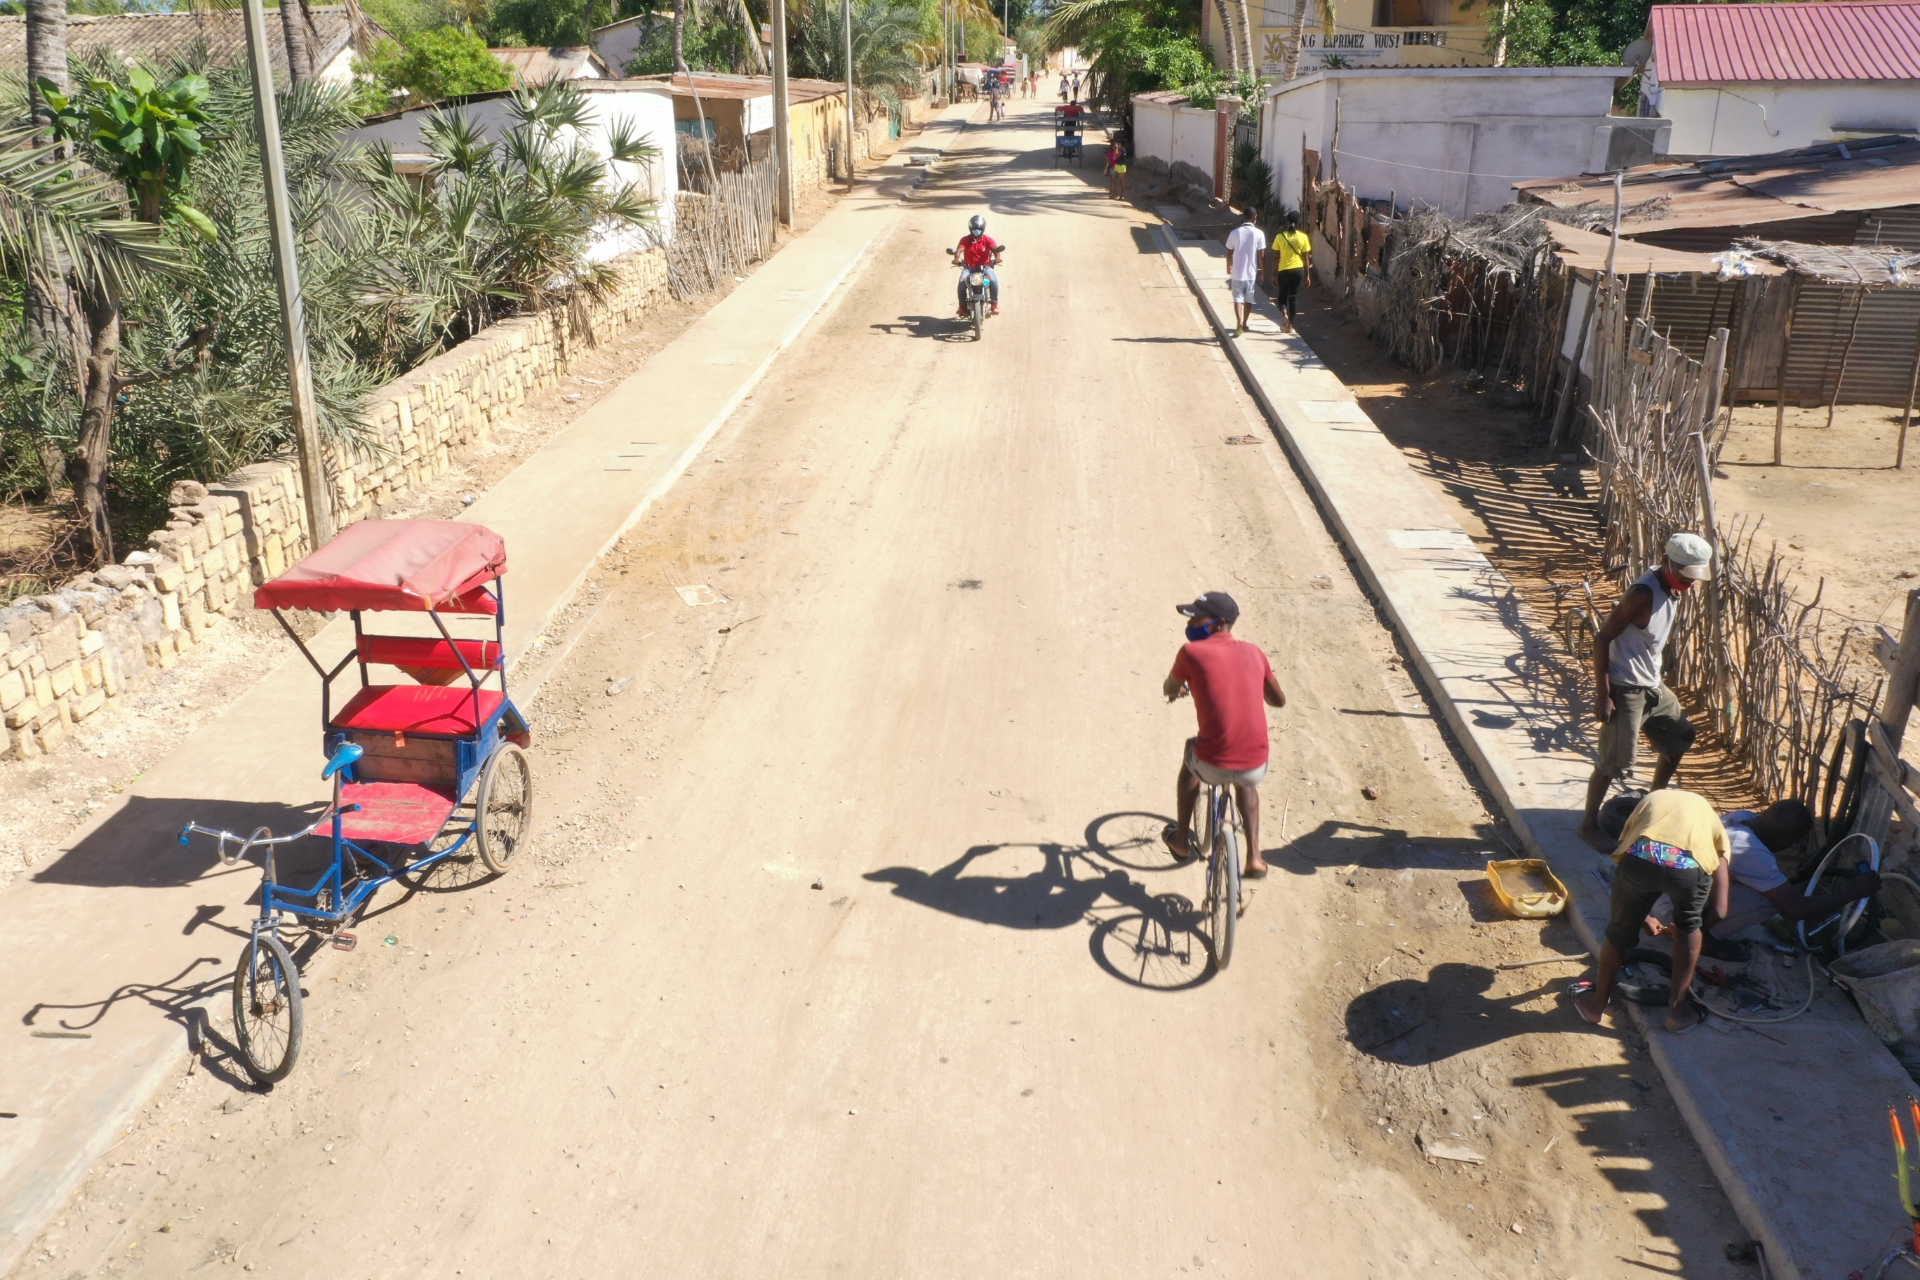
(316, 491)
(1780, 401)
(1853, 331)
(1913, 385)
(782, 127)
(1714, 370)
(1898, 704)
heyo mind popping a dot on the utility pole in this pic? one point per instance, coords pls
(286, 277)
(846, 17)
(782, 135)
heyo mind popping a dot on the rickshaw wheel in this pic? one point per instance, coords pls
(267, 1015)
(503, 809)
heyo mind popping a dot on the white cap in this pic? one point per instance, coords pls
(1691, 555)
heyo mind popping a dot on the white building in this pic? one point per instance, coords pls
(645, 107)
(1743, 79)
(1454, 138)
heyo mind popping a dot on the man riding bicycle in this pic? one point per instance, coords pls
(978, 250)
(1229, 680)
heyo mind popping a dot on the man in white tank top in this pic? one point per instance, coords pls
(1630, 697)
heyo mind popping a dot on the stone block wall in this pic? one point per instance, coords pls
(71, 654)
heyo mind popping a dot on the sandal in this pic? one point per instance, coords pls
(1179, 842)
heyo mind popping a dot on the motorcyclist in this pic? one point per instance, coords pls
(978, 250)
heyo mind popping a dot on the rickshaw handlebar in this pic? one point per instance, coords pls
(261, 837)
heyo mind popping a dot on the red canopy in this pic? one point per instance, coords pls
(408, 565)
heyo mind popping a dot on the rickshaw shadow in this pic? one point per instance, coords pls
(179, 1000)
(139, 847)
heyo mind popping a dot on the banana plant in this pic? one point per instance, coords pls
(141, 132)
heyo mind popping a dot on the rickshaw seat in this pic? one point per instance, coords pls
(444, 710)
(430, 653)
(395, 812)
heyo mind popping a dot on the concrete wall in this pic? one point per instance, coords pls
(1752, 119)
(1152, 131)
(647, 111)
(1174, 135)
(70, 655)
(1454, 138)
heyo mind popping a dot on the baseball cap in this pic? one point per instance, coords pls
(1691, 555)
(1214, 604)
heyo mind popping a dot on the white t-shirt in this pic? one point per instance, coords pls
(1243, 252)
(1751, 863)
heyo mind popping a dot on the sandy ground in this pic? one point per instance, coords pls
(847, 946)
(1837, 507)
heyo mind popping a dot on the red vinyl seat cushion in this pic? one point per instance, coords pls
(394, 812)
(447, 710)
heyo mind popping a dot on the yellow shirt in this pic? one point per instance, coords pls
(1292, 246)
(1681, 819)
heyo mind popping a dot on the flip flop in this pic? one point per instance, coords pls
(1175, 837)
(1254, 873)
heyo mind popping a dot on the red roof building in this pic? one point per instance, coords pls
(1742, 79)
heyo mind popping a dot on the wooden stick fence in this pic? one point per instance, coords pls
(1777, 675)
(719, 234)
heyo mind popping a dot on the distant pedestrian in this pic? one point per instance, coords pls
(1630, 694)
(1293, 256)
(1244, 246)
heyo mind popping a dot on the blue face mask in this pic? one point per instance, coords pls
(1200, 631)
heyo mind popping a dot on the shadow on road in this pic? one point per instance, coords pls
(938, 328)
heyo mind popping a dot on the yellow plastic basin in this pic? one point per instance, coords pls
(1527, 887)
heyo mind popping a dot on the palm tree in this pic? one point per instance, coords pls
(886, 63)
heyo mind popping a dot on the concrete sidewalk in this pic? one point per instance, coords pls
(122, 943)
(1794, 1130)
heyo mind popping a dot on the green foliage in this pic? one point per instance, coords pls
(435, 65)
(140, 132)
(711, 45)
(1135, 46)
(504, 225)
(1567, 33)
(547, 22)
(886, 67)
(1253, 183)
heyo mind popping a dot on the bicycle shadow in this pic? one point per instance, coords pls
(1153, 941)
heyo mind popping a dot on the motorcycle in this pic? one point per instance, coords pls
(979, 296)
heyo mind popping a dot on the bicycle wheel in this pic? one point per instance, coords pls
(267, 1017)
(1223, 876)
(503, 808)
(1849, 915)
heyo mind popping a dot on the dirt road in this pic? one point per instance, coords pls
(848, 949)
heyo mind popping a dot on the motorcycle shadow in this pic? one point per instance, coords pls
(938, 328)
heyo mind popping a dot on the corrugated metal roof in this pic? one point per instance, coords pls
(721, 85)
(1587, 250)
(539, 64)
(1823, 40)
(1737, 191)
(161, 37)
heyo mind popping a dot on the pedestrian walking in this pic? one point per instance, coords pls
(1293, 257)
(1630, 695)
(1116, 169)
(1244, 247)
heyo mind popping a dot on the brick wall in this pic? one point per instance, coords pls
(71, 654)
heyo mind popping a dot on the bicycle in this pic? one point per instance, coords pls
(1215, 826)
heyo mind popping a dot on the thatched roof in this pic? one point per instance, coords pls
(1868, 266)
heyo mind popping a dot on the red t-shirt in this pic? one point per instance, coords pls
(977, 251)
(1228, 678)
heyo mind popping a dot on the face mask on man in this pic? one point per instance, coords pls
(1200, 630)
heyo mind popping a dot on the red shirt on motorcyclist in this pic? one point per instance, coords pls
(978, 251)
